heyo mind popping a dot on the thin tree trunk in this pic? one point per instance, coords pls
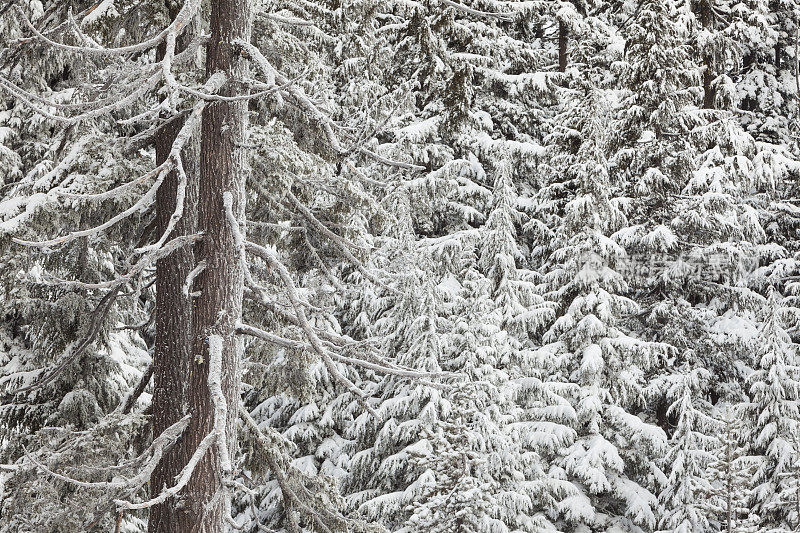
(223, 167)
(563, 36)
(173, 314)
(709, 92)
(729, 471)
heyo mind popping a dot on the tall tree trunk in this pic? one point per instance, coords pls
(563, 36)
(173, 312)
(709, 92)
(223, 167)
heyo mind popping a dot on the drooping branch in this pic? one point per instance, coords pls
(323, 518)
(142, 203)
(314, 340)
(133, 396)
(304, 103)
(283, 342)
(339, 242)
(181, 21)
(155, 451)
(97, 316)
(173, 162)
(217, 435)
(140, 266)
(152, 76)
(274, 17)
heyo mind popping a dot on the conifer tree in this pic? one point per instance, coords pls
(730, 477)
(774, 389)
(384, 479)
(487, 457)
(690, 452)
(206, 438)
(611, 460)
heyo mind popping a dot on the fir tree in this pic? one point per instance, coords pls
(730, 477)
(690, 451)
(774, 389)
(611, 461)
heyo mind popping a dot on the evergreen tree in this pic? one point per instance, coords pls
(690, 451)
(774, 389)
(384, 478)
(612, 460)
(730, 477)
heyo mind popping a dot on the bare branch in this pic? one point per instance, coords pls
(160, 444)
(191, 276)
(144, 262)
(130, 399)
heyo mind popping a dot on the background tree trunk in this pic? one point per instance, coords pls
(223, 166)
(709, 92)
(563, 36)
(173, 311)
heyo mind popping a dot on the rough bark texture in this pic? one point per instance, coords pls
(173, 314)
(563, 36)
(223, 167)
(709, 92)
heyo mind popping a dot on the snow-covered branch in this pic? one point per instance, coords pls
(304, 103)
(155, 451)
(181, 21)
(217, 436)
(505, 17)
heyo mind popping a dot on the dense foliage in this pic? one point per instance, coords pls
(547, 281)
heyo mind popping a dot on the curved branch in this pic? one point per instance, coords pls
(181, 21)
(312, 111)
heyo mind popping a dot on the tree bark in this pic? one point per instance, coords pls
(173, 312)
(563, 36)
(217, 309)
(709, 92)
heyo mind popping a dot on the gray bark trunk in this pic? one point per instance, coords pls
(173, 315)
(223, 167)
(563, 36)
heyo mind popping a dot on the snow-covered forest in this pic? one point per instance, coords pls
(448, 266)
